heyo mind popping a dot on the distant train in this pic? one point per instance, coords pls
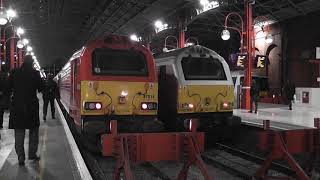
(111, 78)
(195, 82)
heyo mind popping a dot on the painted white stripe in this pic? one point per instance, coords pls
(4, 153)
(81, 166)
(261, 124)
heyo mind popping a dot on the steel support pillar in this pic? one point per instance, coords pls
(12, 58)
(249, 37)
(181, 33)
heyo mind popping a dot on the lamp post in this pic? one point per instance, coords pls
(165, 49)
(246, 32)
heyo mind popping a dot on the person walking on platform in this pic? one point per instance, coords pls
(49, 93)
(3, 96)
(23, 83)
(254, 96)
(290, 90)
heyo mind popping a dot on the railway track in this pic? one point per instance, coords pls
(239, 163)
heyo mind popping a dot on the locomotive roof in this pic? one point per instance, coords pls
(192, 49)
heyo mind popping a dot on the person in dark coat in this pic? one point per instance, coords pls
(3, 96)
(254, 96)
(49, 93)
(290, 90)
(23, 83)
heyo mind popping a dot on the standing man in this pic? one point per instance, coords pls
(49, 93)
(24, 83)
(290, 90)
(254, 96)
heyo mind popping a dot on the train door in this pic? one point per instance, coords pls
(75, 95)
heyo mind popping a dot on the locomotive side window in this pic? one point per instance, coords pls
(119, 62)
(202, 68)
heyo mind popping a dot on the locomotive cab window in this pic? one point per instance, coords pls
(119, 63)
(202, 68)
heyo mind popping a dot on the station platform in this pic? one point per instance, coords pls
(280, 116)
(60, 156)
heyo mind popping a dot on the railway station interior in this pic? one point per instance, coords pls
(159, 89)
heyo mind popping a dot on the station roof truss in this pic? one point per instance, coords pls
(59, 27)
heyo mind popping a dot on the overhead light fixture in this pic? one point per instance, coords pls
(269, 39)
(3, 17)
(225, 35)
(20, 44)
(207, 5)
(160, 26)
(29, 48)
(32, 53)
(134, 37)
(25, 41)
(11, 14)
(20, 31)
(204, 2)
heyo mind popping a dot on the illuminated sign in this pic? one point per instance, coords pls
(206, 6)
(241, 60)
(261, 61)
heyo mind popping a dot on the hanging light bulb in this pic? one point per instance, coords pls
(20, 44)
(3, 17)
(225, 35)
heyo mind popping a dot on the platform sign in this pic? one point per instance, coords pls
(261, 61)
(242, 58)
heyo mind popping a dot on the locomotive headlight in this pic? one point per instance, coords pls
(92, 106)
(149, 106)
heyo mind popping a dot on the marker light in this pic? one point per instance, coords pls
(144, 106)
(98, 106)
(92, 106)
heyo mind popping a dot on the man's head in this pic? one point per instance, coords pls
(50, 76)
(28, 60)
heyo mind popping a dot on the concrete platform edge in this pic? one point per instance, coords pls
(81, 166)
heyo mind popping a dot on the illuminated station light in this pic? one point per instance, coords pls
(160, 26)
(20, 31)
(207, 5)
(225, 35)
